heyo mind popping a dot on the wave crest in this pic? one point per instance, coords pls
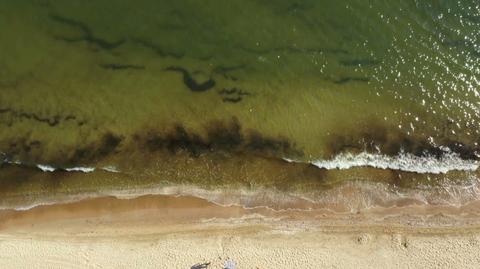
(404, 162)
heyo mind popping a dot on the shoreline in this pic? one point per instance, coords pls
(149, 211)
(384, 209)
(178, 232)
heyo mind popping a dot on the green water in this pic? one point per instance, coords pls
(135, 83)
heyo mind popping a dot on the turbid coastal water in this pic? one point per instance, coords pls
(249, 102)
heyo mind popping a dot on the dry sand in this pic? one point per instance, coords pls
(168, 232)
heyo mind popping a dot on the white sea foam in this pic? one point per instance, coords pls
(49, 168)
(27, 207)
(46, 168)
(403, 162)
(80, 169)
(111, 169)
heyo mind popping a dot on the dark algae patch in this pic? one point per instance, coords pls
(377, 138)
(51, 121)
(87, 34)
(108, 144)
(116, 67)
(216, 137)
(227, 137)
(231, 99)
(190, 82)
(232, 95)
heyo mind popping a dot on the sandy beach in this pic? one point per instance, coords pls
(179, 232)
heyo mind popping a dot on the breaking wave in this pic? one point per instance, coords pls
(49, 168)
(406, 162)
(403, 162)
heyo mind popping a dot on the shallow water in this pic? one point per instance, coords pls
(218, 95)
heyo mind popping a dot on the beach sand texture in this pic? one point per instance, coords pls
(166, 232)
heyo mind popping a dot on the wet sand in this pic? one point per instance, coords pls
(178, 232)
